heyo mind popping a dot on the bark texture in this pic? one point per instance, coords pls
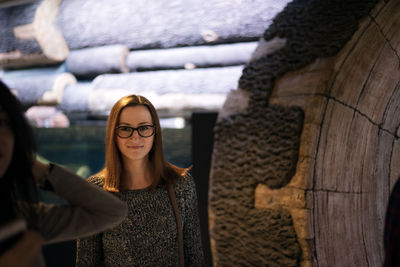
(309, 152)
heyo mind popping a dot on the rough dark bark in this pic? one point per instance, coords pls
(328, 198)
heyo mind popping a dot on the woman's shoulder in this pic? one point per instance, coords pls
(185, 183)
(97, 180)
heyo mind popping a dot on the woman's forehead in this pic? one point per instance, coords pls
(135, 114)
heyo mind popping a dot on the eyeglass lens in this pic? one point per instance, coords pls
(127, 131)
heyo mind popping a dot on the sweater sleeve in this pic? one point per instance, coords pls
(89, 209)
(89, 252)
(193, 250)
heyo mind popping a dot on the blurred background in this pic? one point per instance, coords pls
(69, 61)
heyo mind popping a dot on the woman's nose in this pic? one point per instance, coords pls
(135, 134)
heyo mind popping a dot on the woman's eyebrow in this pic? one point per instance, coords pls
(140, 123)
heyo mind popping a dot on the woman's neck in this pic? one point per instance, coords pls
(135, 175)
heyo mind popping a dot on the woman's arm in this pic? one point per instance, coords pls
(89, 252)
(193, 250)
(90, 209)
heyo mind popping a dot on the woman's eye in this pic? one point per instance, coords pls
(125, 129)
(143, 128)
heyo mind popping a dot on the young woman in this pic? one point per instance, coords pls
(86, 211)
(136, 171)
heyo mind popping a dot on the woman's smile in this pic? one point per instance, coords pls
(135, 146)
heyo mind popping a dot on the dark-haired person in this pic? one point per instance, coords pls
(392, 228)
(86, 209)
(136, 171)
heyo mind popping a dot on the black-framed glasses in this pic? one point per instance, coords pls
(124, 131)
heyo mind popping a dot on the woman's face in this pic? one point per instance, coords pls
(134, 147)
(6, 143)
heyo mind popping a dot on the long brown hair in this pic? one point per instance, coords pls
(18, 182)
(163, 172)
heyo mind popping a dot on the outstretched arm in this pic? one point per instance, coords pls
(90, 209)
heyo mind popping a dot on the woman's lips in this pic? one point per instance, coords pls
(135, 147)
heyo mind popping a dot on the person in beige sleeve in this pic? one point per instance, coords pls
(86, 209)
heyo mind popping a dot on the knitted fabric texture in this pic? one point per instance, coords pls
(148, 236)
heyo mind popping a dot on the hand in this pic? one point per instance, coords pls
(39, 170)
(24, 252)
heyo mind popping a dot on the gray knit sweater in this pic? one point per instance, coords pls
(148, 236)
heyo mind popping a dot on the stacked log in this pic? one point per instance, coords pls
(164, 24)
(90, 62)
(40, 89)
(173, 92)
(210, 80)
(31, 39)
(75, 98)
(191, 57)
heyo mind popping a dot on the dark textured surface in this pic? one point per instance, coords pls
(261, 147)
(269, 239)
(261, 144)
(257, 147)
(312, 29)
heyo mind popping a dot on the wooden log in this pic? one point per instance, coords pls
(75, 99)
(346, 158)
(90, 62)
(100, 101)
(210, 80)
(32, 38)
(81, 100)
(181, 23)
(356, 150)
(191, 57)
(40, 89)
